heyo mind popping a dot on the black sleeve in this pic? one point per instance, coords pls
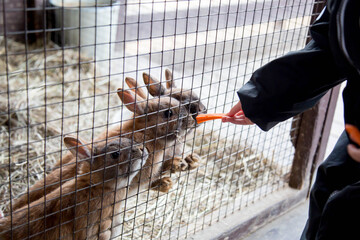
(293, 83)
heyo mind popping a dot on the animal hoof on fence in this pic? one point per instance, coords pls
(163, 185)
(193, 161)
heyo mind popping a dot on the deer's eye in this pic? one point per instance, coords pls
(168, 113)
(115, 155)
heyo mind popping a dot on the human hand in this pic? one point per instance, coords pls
(237, 116)
(354, 152)
(354, 135)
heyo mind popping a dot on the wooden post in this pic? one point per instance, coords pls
(314, 130)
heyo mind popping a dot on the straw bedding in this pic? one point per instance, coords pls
(33, 120)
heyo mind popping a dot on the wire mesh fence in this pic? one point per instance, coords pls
(98, 102)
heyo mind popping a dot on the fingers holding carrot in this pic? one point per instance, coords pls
(237, 116)
(354, 135)
(353, 132)
(234, 110)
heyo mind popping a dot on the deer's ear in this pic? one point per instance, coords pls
(136, 89)
(131, 102)
(154, 87)
(78, 147)
(169, 79)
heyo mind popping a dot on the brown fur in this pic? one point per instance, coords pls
(154, 136)
(174, 160)
(81, 208)
(187, 97)
(38, 190)
(157, 132)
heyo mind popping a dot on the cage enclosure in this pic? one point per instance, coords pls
(84, 77)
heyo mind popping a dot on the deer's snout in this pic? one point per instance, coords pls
(197, 108)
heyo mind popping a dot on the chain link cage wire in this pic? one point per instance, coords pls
(64, 102)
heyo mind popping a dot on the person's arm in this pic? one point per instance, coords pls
(293, 83)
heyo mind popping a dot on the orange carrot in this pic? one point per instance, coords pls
(353, 132)
(209, 116)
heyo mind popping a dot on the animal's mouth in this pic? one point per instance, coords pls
(196, 123)
(197, 114)
(138, 160)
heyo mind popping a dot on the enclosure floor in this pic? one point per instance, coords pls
(286, 227)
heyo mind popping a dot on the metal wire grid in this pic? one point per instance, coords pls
(212, 63)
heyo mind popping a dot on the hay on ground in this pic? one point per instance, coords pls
(40, 101)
